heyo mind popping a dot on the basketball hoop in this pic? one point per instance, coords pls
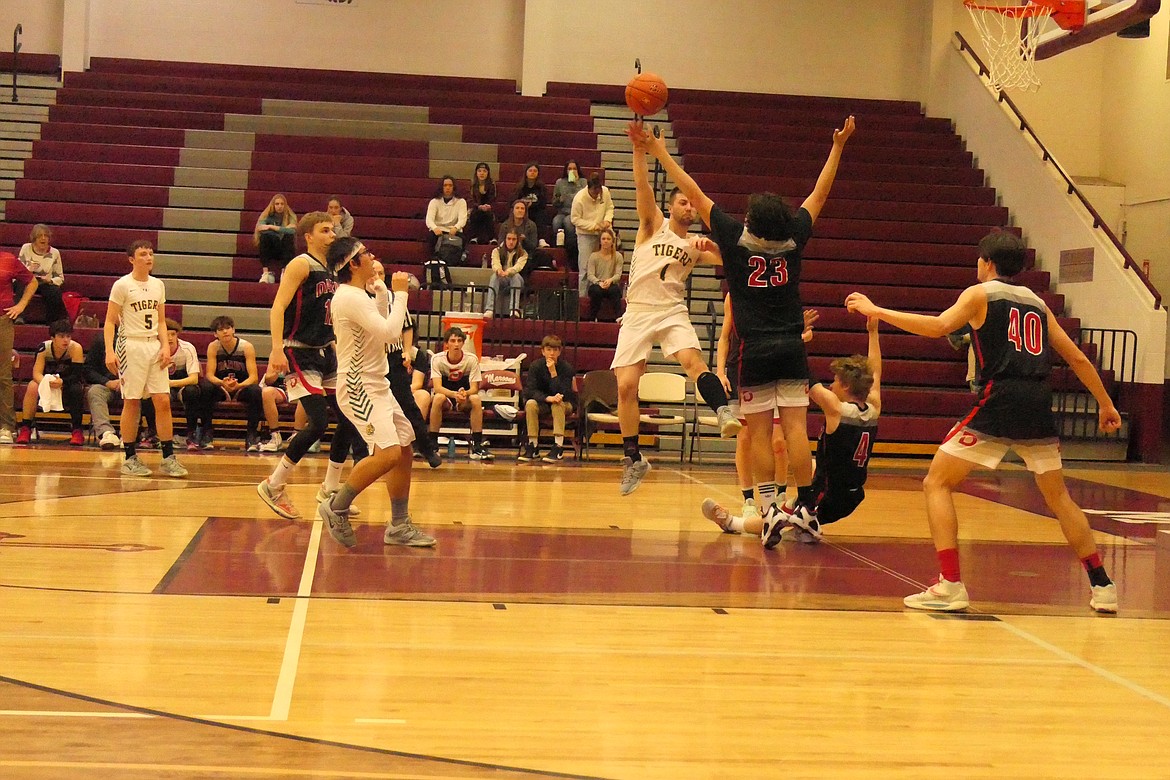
(1010, 34)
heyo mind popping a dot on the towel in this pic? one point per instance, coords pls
(50, 397)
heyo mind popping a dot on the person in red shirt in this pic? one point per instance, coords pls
(11, 270)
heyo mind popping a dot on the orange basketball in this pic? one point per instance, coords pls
(646, 94)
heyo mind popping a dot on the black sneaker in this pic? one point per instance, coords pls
(480, 452)
(528, 453)
(556, 453)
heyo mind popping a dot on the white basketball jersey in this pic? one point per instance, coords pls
(659, 270)
(142, 305)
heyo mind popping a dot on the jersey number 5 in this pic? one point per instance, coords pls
(149, 320)
(1030, 339)
(775, 268)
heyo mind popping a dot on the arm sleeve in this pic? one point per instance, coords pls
(461, 208)
(496, 264)
(192, 359)
(591, 268)
(475, 375)
(577, 211)
(57, 274)
(118, 294)
(387, 330)
(521, 261)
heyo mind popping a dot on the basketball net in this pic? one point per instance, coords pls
(1010, 35)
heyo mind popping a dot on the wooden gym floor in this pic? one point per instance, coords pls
(177, 629)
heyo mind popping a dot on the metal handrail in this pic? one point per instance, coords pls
(1116, 360)
(16, 33)
(1098, 221)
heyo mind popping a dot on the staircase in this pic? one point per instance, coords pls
(20, 125)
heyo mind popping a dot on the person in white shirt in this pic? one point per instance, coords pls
(141, 356)
(44, 261)
(592, 212)
(364, 327)
(446, 214)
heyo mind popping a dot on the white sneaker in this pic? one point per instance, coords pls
(5, 436)
(1104, 598)
(267, 278)
(718, 515)
(326, 496)
(942, 596)
(273, 443)
(407, 535)
(750, 511)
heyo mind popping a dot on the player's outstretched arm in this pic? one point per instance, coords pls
(970, 307)
(689, 187)
(816, 201)
(649, 215)
(1108, 418)
(875, 362)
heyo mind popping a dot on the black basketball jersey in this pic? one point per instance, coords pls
(763, 277)
(843, 455)
(63, 365)
(232, 363)
(307, 320)
(1013, 342)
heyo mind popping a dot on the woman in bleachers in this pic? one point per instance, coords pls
(518, 220)
(532, 191)
(564, 191)
(604, 274)
(342, 219)
(481, 217)
(44, 261)
(275, 237)
(508, 260)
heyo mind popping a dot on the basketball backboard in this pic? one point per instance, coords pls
(1102, 18)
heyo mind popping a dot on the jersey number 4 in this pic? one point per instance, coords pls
(767, 272)
(861, 455)
(1030, 338)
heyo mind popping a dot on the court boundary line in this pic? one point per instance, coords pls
(287, 679)
(296, 737)
(179, 562)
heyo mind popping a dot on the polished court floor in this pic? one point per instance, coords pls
(162, 629)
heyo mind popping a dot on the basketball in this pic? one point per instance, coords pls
(646, 94)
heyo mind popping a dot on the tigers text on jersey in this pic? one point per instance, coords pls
(659, 269)
(763, 277)
(142, 305)
(844, 454)
(363, 332)
(307, 318)
(1013, 341)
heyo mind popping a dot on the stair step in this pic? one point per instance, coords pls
(21, 113)
(27, 97)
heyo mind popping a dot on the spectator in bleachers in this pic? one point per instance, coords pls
(508, 260)
(275, 237)
(11, 270)
(548, 390)
(342, 219)
(185, 378)
(455, 376)
(603, 272)
(56, 383)
(518, 220)
(104, 386)
(481, 218)
(592, 213)
(231, 368)
(532, 191)
(44, 262)
(420, 375)
(446, 218)
(564, 191)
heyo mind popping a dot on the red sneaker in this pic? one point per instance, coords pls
(77, 439)
(24, 436)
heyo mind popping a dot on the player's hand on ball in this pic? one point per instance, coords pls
(400, 281)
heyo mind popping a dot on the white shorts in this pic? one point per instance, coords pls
(772, 396)
(377, 416)
(640, 330)
(1040, 456)
(138, 368)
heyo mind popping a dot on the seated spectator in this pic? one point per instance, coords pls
(603, 272)
(273, 393)
(44, 262)
(481, 218)
(342, 219)
(420, 375)
(231, 368)
(564, 191)
(592, 213)
(508, 260)
(518, 220)
(11, 271)
(446, 218)
(455, 377)
(105, 386)
(57, 383)
(532, 191)
(275, 237)
(185, 379)
(548, 390)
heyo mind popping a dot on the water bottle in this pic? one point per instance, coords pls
(561, 237)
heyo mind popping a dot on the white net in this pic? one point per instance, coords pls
(1010, 35)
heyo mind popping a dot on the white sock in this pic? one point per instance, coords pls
(280, 474)
(532, 442)
(559, 440)
(735, 523)
(332, 477)
(769, 492)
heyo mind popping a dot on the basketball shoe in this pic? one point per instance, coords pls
(134, 467)
(1104, 598)
(337, 523)
(633, 472)
(749, 510)
(277, 501)
(776, 519)
(729, 424)
(806, 520)
(172, 468)
(324, 497)
(942, 596)
(109, 441)
(407, 535)
(718, 515)
(77, 439)
(528, 454)
(273, 443)
(555, 454)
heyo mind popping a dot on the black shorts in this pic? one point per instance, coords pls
(1016, 409)
(312, 371)
(767, 359)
